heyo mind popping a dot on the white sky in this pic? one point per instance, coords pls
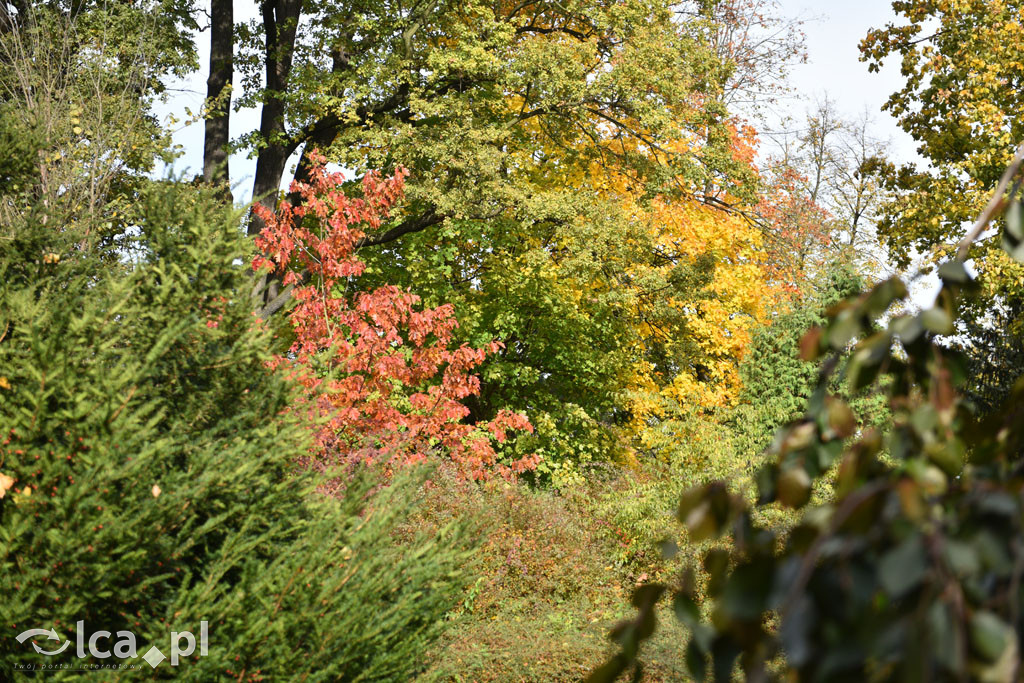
(834, 28)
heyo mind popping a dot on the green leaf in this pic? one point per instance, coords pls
(686, 610)
(765, 479)
(796, 624)
(609, 671)
(902, 568)
(924, 420)
(862, 370)
(961, 557)
(716, 564)
(794, 486)
(723, 657)
(745, 595)
(990, 635)
(1015, 221)
(954, 271)
(841, 419)
(843, 329)
(941, 628)
(1013, 247)
(937, 320)
(810, 344)
(696, 661)
(645, 596)
(907, 328)
(883, 295)
(689, 500)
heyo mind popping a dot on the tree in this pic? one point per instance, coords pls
(500, 111)
(380, 372)
(80, 89)
(217, 139)
(474, 98)
(759, 46)
(995, 352)
(838, 168)
(148, 478)
(695, 339)
(776, 383)
(959, 104)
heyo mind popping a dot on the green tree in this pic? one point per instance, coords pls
(148, 480)
(961, 61)
(507, 115)
(777, 383)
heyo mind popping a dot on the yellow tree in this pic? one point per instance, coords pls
(963, 61)
(710, 282)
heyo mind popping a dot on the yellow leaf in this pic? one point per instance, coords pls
(6, 483)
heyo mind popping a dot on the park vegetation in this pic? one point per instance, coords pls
(531, 357)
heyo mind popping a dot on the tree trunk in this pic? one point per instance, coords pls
(218, 116)
(280, 21)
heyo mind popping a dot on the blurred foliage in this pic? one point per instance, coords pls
(912, 571)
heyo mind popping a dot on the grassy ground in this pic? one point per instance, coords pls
(554, 575)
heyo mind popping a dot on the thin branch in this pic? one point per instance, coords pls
(995, 204)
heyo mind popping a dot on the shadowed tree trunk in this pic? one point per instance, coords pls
(218, 116)
(280, 22)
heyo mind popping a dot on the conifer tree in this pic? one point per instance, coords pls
(147, 477)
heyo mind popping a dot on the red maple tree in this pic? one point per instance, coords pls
(382, 380)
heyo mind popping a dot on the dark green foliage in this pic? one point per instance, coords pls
(995, 351)
(777, 382)
(154, 473)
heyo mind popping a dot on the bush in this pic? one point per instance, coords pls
(148, 474)
(549, 582)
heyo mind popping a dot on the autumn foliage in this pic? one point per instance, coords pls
(383, 383)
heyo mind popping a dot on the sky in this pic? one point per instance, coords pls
(834, 28)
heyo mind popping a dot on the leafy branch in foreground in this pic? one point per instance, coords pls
(913, 571)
